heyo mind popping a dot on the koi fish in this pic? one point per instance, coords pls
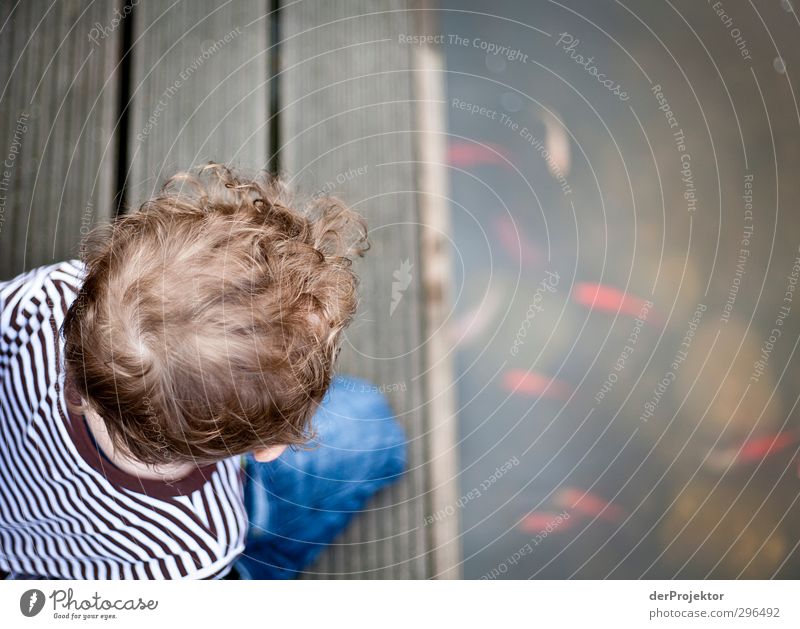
(609, 299)
(578, 501)
(534, 384)
(514, 241)
(476, 320)
(539, 522)
(469, 154)
(557, 145)
(752, 450)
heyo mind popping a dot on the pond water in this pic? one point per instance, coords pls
(623, 192)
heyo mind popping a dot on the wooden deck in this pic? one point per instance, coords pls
(98, 110)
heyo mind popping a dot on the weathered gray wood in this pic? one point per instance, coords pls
(436, 274)
(348, 127)
(350, 124)
(58, 91)
(199, 89)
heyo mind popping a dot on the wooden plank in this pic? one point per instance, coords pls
(58, 89)
(198, 91)
(348, 126)
(436, 272)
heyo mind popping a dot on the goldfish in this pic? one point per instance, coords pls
(469, 154)
(578, 501)
(473, 323)
(610, 299)
(557, 145)
(514, 241)
(539, 522)
(755, 450)
(752, 450)
(534, 384)
(577, 505)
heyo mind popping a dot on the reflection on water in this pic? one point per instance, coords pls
(623, 184)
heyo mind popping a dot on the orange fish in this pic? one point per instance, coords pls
(514, 241)
(557, 145)
(539, 522)
(578, 501)
(534, 384)
(473, 323)
(469, 154)
(752, 450)
(610, 299)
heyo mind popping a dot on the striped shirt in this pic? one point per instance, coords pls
(65, 510)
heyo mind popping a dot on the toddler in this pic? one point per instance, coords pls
(168, 407)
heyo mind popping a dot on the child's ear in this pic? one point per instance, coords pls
(265, 455)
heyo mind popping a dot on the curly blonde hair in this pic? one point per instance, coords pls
(209, 320)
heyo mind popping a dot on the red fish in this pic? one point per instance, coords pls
(578, 501)
(473, 323)
(514, 241)
(534, 384)
(755, 450)
(468, 154)
(540, 522)
(557, 145)
(610, 299)
(752, 450)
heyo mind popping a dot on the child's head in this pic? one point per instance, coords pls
(210, 319)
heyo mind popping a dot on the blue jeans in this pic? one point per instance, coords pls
(298, 503)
